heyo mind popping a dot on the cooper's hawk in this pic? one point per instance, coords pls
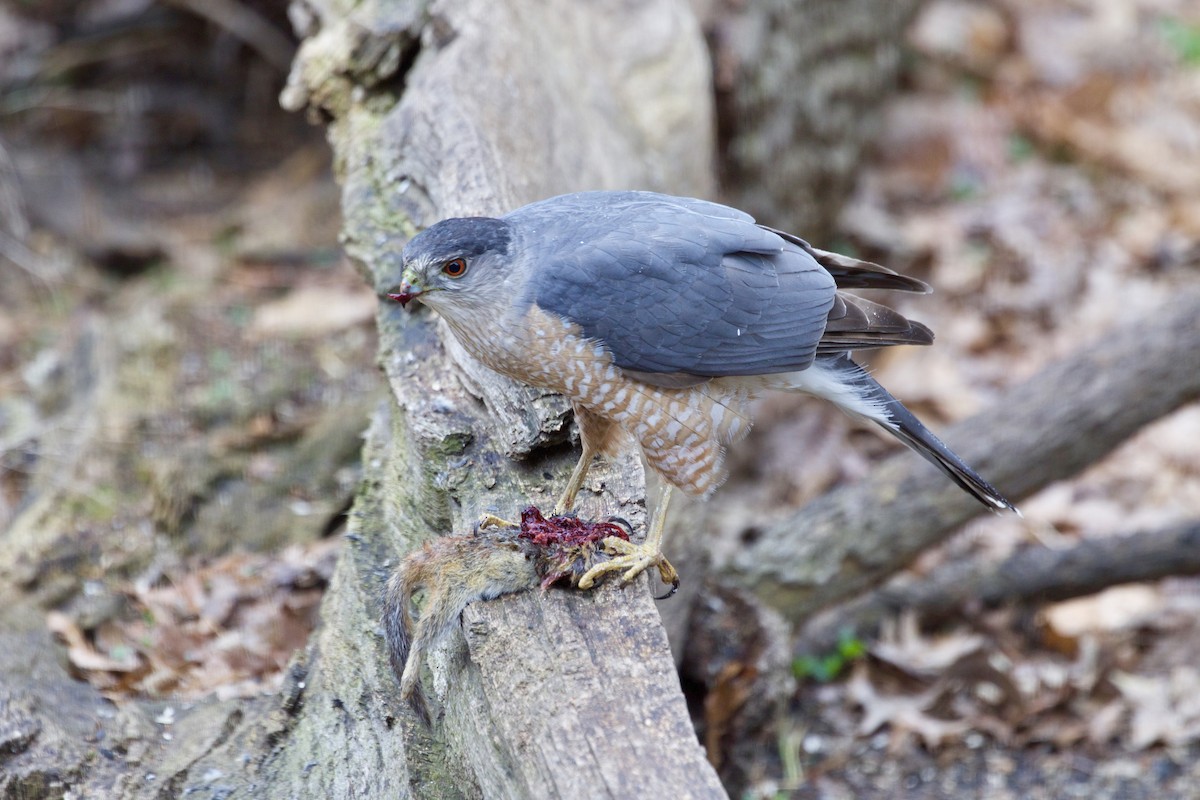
(659, 318)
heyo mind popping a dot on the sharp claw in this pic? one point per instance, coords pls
(621, 522)
(670, 592)
(668, 575)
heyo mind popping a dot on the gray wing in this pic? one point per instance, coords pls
(674, 286)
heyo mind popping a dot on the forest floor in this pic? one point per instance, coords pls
(187, 360)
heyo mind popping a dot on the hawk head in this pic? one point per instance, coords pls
(456, 262)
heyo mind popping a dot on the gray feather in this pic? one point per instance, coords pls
(674, 285)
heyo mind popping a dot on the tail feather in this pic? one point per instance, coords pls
(897, 420)
(908, 429)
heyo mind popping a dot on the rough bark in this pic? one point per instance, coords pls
(800, 87)
(554, 694)
(849, 540)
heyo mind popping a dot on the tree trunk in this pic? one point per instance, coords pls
(800, 87)
(557, 693)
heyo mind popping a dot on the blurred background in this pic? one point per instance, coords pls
(187, 362)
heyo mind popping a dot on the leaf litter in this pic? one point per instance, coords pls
(228, 628)
(1040, 172)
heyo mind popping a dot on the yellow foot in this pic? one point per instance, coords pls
(632, 559)
(492, 521)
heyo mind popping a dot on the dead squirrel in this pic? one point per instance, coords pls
(456, 570)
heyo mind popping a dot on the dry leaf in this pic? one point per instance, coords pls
(903, 713)
(902, 645)
(1114, 609)
(81, 654)
(228, 627)
(970, 34)
(1164, 709)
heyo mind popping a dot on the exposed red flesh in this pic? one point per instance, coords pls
(564, 530)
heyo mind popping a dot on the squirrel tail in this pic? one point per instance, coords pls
(453, 571)
(398, 628)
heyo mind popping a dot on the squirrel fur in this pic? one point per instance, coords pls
(453, 571)
(456, 570)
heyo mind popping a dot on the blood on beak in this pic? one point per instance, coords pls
(407, 292)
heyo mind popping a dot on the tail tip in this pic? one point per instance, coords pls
(998, 504)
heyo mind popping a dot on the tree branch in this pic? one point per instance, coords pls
(1034, 575)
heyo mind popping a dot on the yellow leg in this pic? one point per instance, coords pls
(633, 559)
(567, 501)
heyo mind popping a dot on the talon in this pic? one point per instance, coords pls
(670, 592)
(630, 560)
(621, 522)
(668, 575)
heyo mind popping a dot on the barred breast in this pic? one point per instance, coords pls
(682, 431)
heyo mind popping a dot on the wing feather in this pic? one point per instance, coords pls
(688, 290)
(852, 273)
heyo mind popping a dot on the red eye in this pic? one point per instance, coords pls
(455, 267)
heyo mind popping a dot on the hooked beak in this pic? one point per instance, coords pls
(409, 290)
(405, 294)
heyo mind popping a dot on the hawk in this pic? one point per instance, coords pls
(660, 318)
